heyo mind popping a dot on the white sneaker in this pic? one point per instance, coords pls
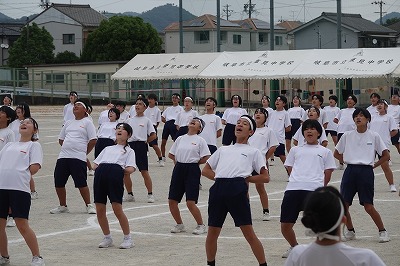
(161, 163)
(178, 228)
(34, 195)
(390, 163)
(266, 216)
(91, 172)
(59, 209)
(348, 235)
(341, 166)
(10, 222)
(90, 209)
(287, 252)
(150, 198)
(163, 159)
(384, 237)
(392, 188)
(37, 261)
(200, 187)
(4, 261)
(200, 229)
(127, 243)
(129, 198)
(106, 242)
(271, 162)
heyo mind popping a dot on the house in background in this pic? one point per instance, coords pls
(69, 25)
(357, 32)
(396, 27)
(9, 33)
(290, 25)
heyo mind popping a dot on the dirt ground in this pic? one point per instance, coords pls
(72, 238)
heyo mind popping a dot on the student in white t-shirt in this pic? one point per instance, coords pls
(154, 114)
(110, 167)
(295, 115)
(374, 98)
(299, 139)
(331, 112)
(103, 117)
(106, 132)
(123, 114)
(18, 162)
(317, 101)
(357, 148)
(394, 111)
(323, 215)
(265, 101)
(310, 166)
(67, 111)
(231, 168)
(213, 128)
(187, 152)
(7, 100)
(77, 138)
(184, 117)
(229, 119)
(264, 140)
(384, 125)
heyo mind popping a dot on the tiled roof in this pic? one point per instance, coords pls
(289, 25)
(203, 22)
(395, 26)
(83, 14)
(256, 24)
(10, 29)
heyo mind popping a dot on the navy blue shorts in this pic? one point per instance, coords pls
(395, 139)
(66, 167)
(339, 135)
(154, 141)
(169, 130)
(358, 179)
(229, 195)
(229, 137)
(185, 179)
(292, 205)
(101, 143)
(108, 182)
(332, 132)
(296, 123)
(280, 150)
(18, 201)
(182, 131)
(140, 148)
(212, 148)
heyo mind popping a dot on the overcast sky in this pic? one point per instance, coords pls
(302, 10)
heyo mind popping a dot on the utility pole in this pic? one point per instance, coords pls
(219, 25)
(249, 8)
(339, 24)
(44, 4)
(227, 11)
(180, 27)
(380, 3)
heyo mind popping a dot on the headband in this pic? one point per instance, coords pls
(188, 98)
(202, 123)
(249, 120)
(81, 103)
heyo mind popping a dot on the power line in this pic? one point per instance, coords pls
(380, 3)
(249, 8)
(227, 11)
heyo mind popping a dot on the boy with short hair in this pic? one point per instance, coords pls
(154, 114)
(123, 114)
(213, 125)
(317, 101)
(331, 111)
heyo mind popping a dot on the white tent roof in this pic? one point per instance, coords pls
(165, 66)
(254, 65)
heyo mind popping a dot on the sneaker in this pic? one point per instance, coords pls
(287, 252)
(163, 159)
(161, 163)
(390, 163)
(266, 216)
(271, 162)
(178, 228)
(91, 173)
(348, 235)
(384, 237)
(200, 187)
(10, 222)
(200, 229)
(392, 188)
(4, 261)
(106, 242)
(90, 209)
(37, 261)
(127, 243)
(59, 209)
(129, 198)
(34, 195)
(150, 198)
(341, 166)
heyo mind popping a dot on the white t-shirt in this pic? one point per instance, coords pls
(270, 111)
(171, 113)
(308, 164)
(296, 112)
(184, 117)
(232, 115)
(263, 139)
(189, 149)
(68, 112)
(132, 111)
(331, 113)
(6, 136)
(346, 122)
(278, 121)
(103, 117)
(372, 110)
(212, 125)
(322, 119)
(15, 159)
(14, 126)
(107, 130)
(301, 140)
(238, 160)
(141, 127)
(154, 114)
(360, 148)
(394, 111)
(123, 117)
(76, 135)
(338, 254)
(383, 124)
(122, 155)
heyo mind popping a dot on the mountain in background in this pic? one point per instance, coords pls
(390, 15)
(160, 17)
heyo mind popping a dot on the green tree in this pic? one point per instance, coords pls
(66, 57)
(34, 46)
(121, 38)
(391, 21)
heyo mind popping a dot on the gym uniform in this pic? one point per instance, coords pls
(154, 114)
(322, 119)
(278, 121)
(209, 134)
(170, 114)
(182, 121)
(231, 116)
(346, 121)
(295, 116)
(6, 136)
(105, 137)
(301, 140)
(394, 111)
(331, 113)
